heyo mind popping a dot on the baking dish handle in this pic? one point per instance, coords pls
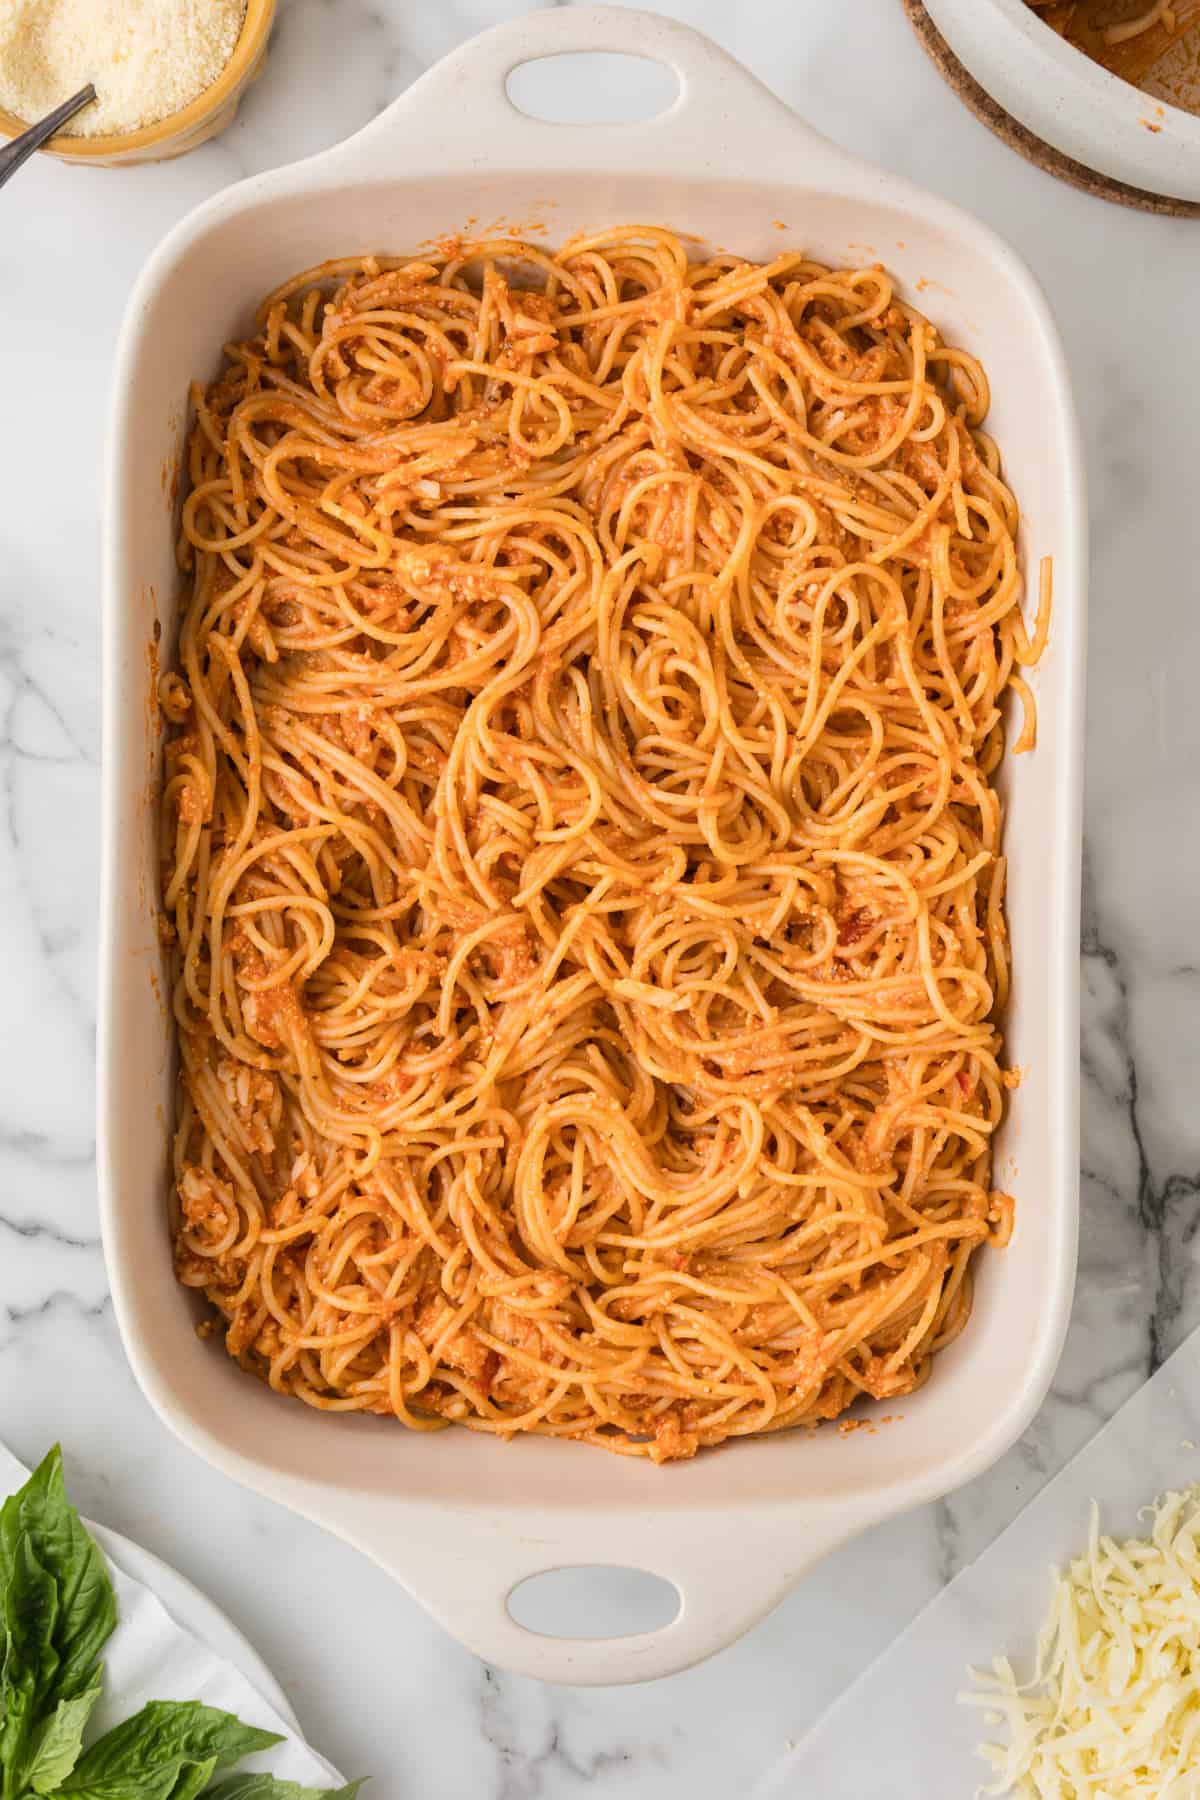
(464, 1574)
(722, 121)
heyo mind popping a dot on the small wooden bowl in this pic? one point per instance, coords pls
(208, 114)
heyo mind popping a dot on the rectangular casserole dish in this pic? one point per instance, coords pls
(460, 1518)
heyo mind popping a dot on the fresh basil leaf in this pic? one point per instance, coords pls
(195, 1780)
(269, 1787)
(87, 1607)
(151, 1784)
(30, 1613)
(55, 1744)
(159, 1744)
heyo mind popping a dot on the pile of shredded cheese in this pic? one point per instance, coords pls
(147, 58)
(1113, 1709)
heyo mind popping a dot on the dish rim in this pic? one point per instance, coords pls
(1081, 108)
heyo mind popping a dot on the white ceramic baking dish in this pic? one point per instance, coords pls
(458, 1518)
(1070, 101)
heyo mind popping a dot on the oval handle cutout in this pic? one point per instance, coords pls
(594, 1600)
(592, 87)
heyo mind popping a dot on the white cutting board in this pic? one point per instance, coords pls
(898, 1733)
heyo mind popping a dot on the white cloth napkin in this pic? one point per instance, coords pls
(897, 1733)
(150, 1657)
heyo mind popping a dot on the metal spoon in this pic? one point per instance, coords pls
(21, 148)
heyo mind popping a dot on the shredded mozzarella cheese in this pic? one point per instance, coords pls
(147, 58)
(1113, 1709)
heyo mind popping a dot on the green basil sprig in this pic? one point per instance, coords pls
(57, 1612)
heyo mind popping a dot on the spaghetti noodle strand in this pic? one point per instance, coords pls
(579, 841)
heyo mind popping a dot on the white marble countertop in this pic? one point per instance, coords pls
(396, 1696)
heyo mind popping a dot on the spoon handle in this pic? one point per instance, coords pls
(21, 148)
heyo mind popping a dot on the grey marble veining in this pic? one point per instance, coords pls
(407, 1703)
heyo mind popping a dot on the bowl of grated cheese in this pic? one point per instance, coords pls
(168, 74)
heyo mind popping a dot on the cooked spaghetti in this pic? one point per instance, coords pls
(1062, 14)
(1152, 44)
(580, 848)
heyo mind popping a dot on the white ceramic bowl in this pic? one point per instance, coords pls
(458, 1518)
(1068, 100)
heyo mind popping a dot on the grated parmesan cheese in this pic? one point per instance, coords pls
(1113, 1709)
(147, 58)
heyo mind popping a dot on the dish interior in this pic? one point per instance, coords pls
(983, 1386)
